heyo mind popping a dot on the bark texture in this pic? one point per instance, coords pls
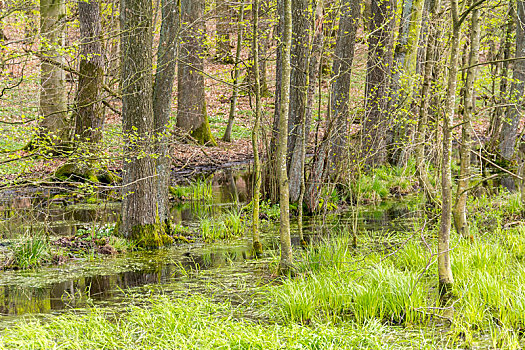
(377, 119)
(162, 98)
(140, 212)
(257, 246)
(431, 56)
(510, 125)
(301, 27)
(282, 144)
(236, 77)
(460, 210)
(340, 89)
(54, 126)
(192, 116)
(89, 112)
(444, 268)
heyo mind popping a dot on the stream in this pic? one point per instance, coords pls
(224, 269)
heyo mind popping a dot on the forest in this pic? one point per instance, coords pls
(262, 174)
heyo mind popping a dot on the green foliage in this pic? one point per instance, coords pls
(183, 323)
(383, 182)
(266, 209)
(336, 286)
(394, 281)
(228, 225)
(31, 252)
(199, 190)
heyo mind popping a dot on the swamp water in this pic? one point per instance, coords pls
(224, 270)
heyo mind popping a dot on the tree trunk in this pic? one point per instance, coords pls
(509, 130)
(460, 212)
(506, 43)
(264, 45)
(282, 144)
(257, 246)
(444, 269)
(312, 190)
(140, 214)
(236, 76)
(89, 112)
(340, 89)
(224, 17)
(301, 24)
(54, 126)
(192, 116)
(431, 56)
(162, 98)
(377, 119)
(404, 78)
(271, 182)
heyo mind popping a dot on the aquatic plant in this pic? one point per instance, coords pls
(200, 190)
(382, 182)
(397, 284)
(185, 322)
(31, 252)
(225, 226)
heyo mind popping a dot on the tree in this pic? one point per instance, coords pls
(236, 76)
(509, 130)
(300, 50)
(53, 101)
(376, 120)
(257, 246)
(403, 79)
(282, 144)
(431, 57)
(191, 115)
(340, 88)
(89, 112)
(162, 98)
(140, 211)
(446, 279)
(460, 212)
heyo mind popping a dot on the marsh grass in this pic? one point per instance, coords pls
(199, 190)
(398, 286)
(339, 283)
(187, 323)
(31, 252)
(383, 182)
(228, 225)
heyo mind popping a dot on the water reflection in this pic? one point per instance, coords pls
(51, 289)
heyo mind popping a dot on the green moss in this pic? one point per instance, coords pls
(108, 177)
(70, 171)
(203, 133)
(150, 236)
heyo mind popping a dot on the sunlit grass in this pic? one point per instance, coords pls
(187, 323)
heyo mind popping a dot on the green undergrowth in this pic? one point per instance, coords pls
(394, 282)
(489, 213)
(199, 190)
(38, 249)
(189, 323)
(383, 182)
(228, 225)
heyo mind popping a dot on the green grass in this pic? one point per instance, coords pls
(200, 190)
(31, 252)
(337, 285)
(228, 225)
(188, 323)
(398, 285)
(382, 182)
